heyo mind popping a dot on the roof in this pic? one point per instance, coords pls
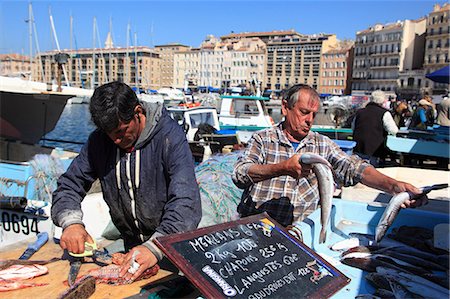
(263, 33)
(246, 98)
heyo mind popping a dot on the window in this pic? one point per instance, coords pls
(244, 107)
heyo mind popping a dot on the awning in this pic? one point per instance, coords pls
(440, 76)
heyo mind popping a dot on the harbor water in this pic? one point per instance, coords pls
(72, 130)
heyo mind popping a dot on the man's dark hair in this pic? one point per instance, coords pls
(291, 94)
(111, 103)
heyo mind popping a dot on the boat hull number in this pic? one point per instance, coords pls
(19, 223)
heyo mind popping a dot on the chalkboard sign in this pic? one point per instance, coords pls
(254, 258)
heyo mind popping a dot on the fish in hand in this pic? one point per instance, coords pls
(394, 206)
(323, 171)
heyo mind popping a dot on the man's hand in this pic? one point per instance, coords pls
(143, 257)
(296, 169)
(415, 202)
(73, 238)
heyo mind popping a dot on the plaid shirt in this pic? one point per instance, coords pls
(274, 196)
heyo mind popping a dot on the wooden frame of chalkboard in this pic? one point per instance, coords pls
(253, 257)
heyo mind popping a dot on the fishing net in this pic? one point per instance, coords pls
(46, 171)
(219, 196)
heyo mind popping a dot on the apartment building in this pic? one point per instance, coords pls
(382, 52)
(89, 68)
(166, 54)
(15, 65)
(436, 46)
(336, 71)
(296, 59)
(220, 64)
(186, 66)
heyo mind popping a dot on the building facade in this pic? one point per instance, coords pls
(166, 54)
(89, 68)
(437, 47)
(15, 65)
(382, 52)
(296, 59)
(336, 71)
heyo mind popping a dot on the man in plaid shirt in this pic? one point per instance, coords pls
(274, 180)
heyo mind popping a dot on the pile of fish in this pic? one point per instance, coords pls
(404, 264)
(15, 274)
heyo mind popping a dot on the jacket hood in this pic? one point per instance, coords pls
(153, 114)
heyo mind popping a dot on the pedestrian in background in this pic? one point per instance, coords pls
(423, 116)
(371, 126)
(444, 112)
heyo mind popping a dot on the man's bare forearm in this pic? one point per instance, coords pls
(375, 179)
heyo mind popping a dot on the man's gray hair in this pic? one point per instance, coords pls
(378, 97)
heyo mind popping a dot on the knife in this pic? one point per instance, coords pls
(42, 238)
(75, 265)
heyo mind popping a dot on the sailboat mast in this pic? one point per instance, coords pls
(127, 58)
(136, 70)
(93, 54)
(110, 46)
(30, 29)
(57, 45)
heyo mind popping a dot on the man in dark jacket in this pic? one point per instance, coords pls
(371, 126)
(142, 159)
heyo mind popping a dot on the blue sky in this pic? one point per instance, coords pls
(188, 22)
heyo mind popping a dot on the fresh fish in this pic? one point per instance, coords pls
(9, 285)
(8, 263)
(367, 296)
(110, 274)
(416, 284)
(309, 158)
(322, 169)
(394, 206)
(390, 213)
(398, 264)
(414, 260)
(346, 244)
(400, 292)
(384, 294)
(22, 272)
(368, 240)
(378, 281)
(368, 264)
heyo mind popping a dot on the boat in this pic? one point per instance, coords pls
(29, 110)
(243, 115)
(203, 132)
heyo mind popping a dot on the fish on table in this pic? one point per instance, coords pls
(13, 277)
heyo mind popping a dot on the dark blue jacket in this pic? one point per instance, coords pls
(164, 197)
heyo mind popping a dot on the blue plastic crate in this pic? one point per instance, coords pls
(349, 216)
(346, 145)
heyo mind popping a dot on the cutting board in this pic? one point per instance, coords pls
(57, 277)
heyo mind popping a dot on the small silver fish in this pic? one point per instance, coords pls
(322, 169)
(415, 284)
(390, 213)
(394, 206)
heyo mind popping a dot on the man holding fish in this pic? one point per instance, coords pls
(142, 159)
(277, 180)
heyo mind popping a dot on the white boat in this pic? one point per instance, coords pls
(28, 111)
(210, 139)
(244, 115)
